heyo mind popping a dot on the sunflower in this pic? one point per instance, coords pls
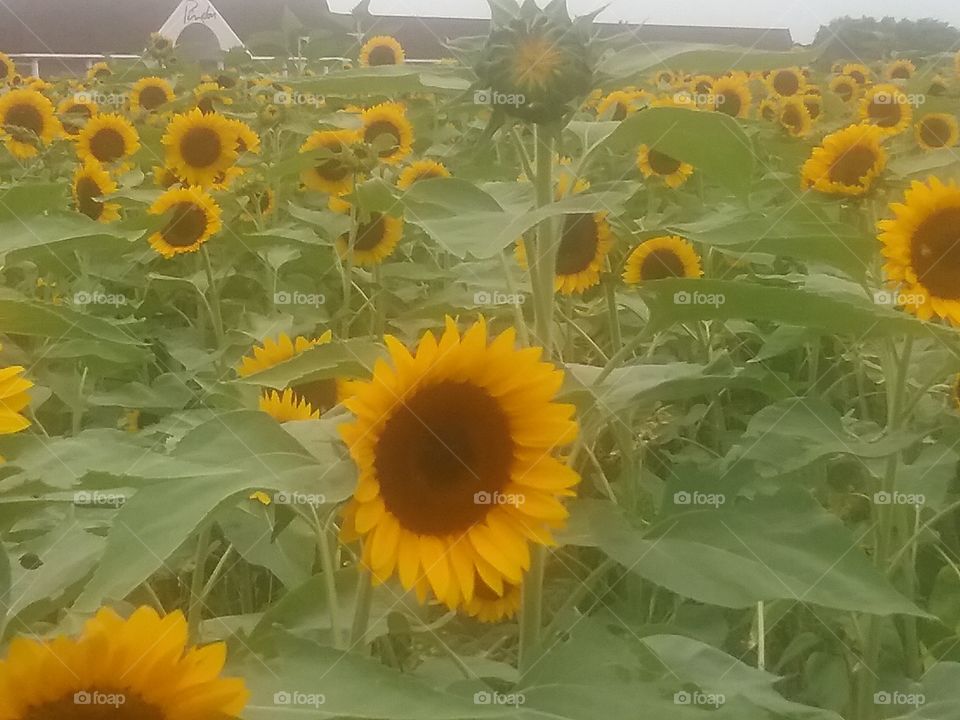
(376, 237)
(74, 114)
(13, 399)
(653, 163)
(303, 401)
(143, 662)
(621, 103)
(261, 201)
(846, 162)
(585, 241)
(813, 102)
(150, 93)
(194, 218)
(99, 71)
(247, 140)
(91, 182)
(887, 107)
(702, 85)
(448, 490)
(901, 69)
(381, 50)
(200, 148)
(489, 607)
(794, 116)
(937, 130)
(332, 175)
(108, 138)
(224, 180)
(668, 256)
(732, 96)
(769, 109)
(388, 121)
(786, 82)
(7, 68)
(421, 170)
(26, 118)
(164, 178)
(859, 72)
(209, 95)
(664, 78)
(844, 87)
(938, 86)
(921, 245)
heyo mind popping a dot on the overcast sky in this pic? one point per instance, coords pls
(803, 17)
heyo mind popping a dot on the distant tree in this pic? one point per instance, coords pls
(869, 38)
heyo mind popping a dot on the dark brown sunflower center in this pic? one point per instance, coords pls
(205, 105)
(440, 454)
(858, 77)
(768, 112)
(578, 244)
(96, 705)
(786, 83)
(200, 147)
(850, 167)
(844, 90)
(382, 55)
(226, 81)
(74, 117)
(934, 132)
(107, 145)
(662, 164)
(813, 107)
(729, 103)
(333, 169)
(371, 233)
(704, 87)
(662, 264)
(901, 72)
(619, 112)
(321, 394)
(87, 190)
(380, 129)
(186, 226)
(884, 111)
(152, 97)
(935, 253)
(792, 118)
(26, 117)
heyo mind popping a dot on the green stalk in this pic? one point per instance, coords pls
(213, 299)
(542, 264)
(613, 312)
(195, 607)
(328, 564)
(361, 610)
(885, 520)
(346, 269)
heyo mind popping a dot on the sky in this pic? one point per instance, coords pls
(803, 17)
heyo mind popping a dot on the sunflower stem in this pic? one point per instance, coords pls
(613, 312)
(361, 611)
(328, 564)
(213, 303)
(347, 269)
(195, 607)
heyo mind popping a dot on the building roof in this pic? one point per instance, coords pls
(123, 26)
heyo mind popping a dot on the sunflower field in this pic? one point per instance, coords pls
(570, 378)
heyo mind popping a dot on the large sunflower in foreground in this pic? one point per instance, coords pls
(200, 148)
(921, 244)
(381, 50)
(846, 162)
(90, 183)
(386, 126)
(333, 174)
(302, 401)
(107, 138)
(13, 399)
(421, 170)
(144, 660)
(375, 239)
(937, 130)
(732, 96)
(887, 107)
(660, 258)
(27, 119)
(194, 217)
(454, 443)
(150, 93)
(653, 163)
